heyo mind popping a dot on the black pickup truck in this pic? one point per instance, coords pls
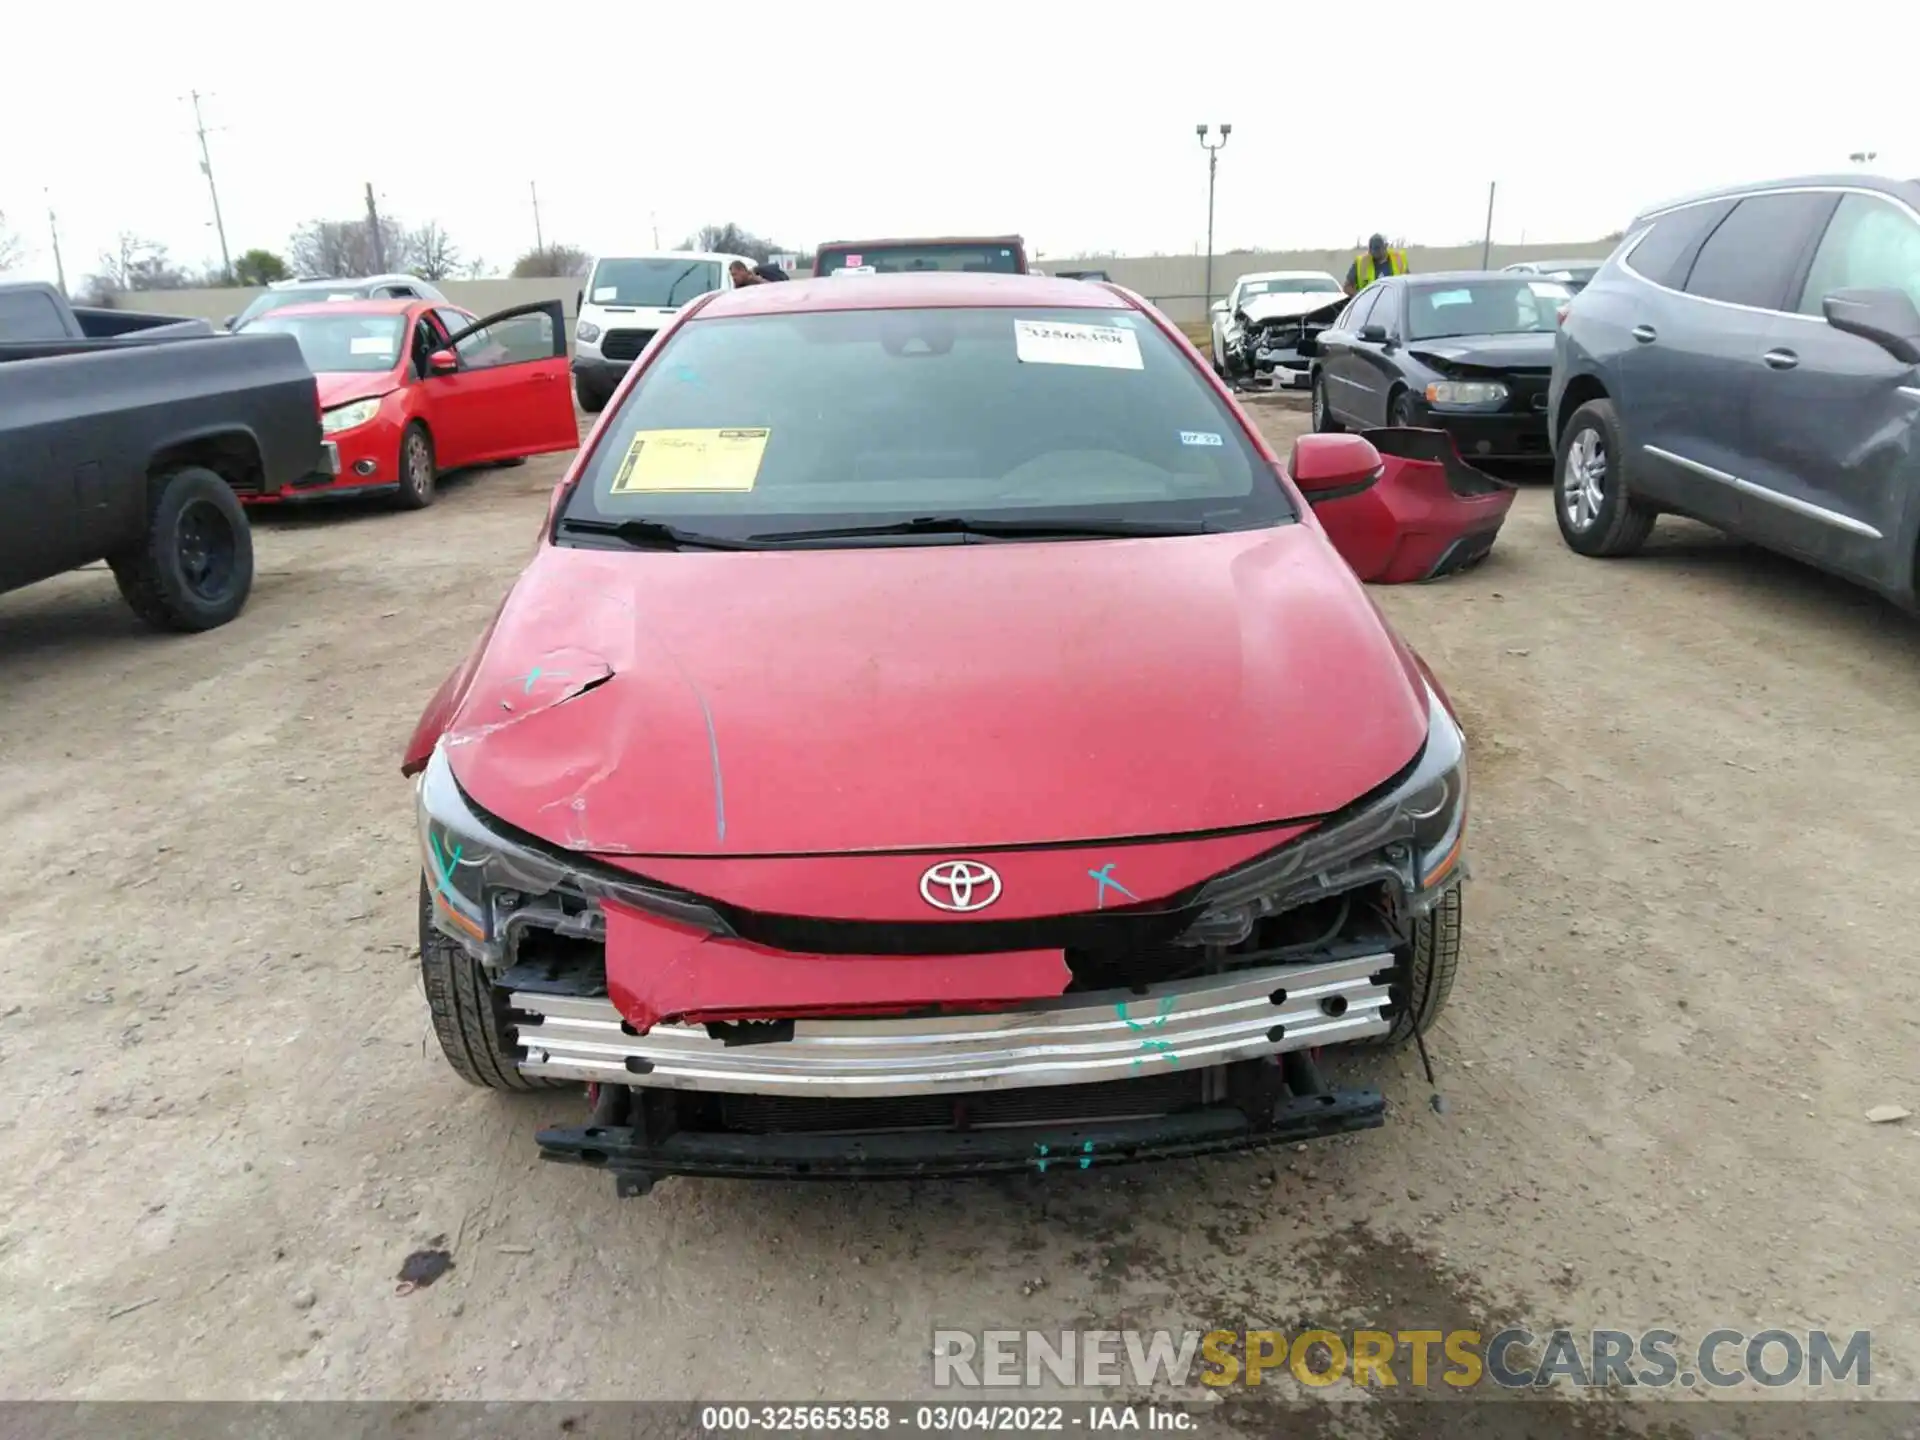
(127, 437)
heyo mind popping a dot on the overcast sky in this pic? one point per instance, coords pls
(1065, 122)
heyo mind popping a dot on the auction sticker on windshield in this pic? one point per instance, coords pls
(666, 460)
(1051, 342)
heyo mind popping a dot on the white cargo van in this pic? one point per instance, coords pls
(625, 302)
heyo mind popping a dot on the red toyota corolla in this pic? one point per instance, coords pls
(933, 736)
(410, 389)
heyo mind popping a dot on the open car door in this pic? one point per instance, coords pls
(503, 382)
(1400, 504)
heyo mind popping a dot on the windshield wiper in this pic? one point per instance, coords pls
(652, 535)
(1036, 529)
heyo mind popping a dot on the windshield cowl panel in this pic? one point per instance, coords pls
(923, 426)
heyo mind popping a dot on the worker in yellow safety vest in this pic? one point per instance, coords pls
(1376, 260)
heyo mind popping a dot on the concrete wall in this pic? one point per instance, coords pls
(482, 297)
(1176, 283)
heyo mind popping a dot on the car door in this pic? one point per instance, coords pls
(1337, 354)
(1372, 363)
(509, 392)
(1708, 345)
(1835, 415)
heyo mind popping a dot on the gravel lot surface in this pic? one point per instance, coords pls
(1690, 973)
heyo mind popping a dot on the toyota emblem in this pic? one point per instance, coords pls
(960, 886)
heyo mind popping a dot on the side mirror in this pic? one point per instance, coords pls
(442, 362)
(1374, 334)
(1328, 467)
(1886, 317)
(1219, 307)
(227, 324)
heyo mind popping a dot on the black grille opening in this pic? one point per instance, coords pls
(1151, 1095)
(624, 344)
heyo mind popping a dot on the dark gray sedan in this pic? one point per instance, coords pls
(1751, 358)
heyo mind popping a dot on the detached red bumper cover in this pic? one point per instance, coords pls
(1428, 513)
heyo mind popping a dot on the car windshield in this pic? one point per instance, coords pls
(1292, 285)
(1506, 305)
(281, 299)
(905, 259)
(661, 282)
(777, 424)
(333, 344)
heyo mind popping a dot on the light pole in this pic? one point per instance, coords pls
(1213, 163)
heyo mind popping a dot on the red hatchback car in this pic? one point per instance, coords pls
(935, 735)
(412, 388)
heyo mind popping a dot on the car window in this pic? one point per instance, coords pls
(657, 282)
(1870, 244)
(898, 259)
(1664, 253)
(1495, 305)
(511, 342)
(346, 343)
(281, 299)
(1291, 285)
(1356, 314)
(1386, 310)
(454, 320)
(1750, 257)
(814, 420)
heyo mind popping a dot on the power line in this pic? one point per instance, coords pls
(206, 168)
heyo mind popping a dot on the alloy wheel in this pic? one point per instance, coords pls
(419, 465)
(207, 549)
(1583, 485)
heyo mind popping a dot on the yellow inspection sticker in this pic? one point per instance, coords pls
(659, 460)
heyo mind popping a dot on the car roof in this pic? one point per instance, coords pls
(924, 240)
(1288, 275)
(928, 289)
(1454, 276)
(361, 307)
(1595, 260)
(720, 255)
(1907, 191)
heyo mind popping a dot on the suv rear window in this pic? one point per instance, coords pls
(1665, 253)
(907, 259)
(775, 423)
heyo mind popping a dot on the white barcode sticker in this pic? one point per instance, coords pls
(1050, 342)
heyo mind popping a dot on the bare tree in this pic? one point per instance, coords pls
(136, 263)
(434, 255)
(552, 260)
(10, 246)
(346, 249)
(731, 239)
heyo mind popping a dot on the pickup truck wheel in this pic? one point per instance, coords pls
(470, 1017)
(417, 467)
(1597, 512)
(1323, 421)
(1423, 976)
(193, 569)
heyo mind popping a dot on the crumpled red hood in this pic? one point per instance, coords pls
(338, 387)
(939, 697)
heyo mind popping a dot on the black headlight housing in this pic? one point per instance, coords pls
(1411, 838)
(485, 878)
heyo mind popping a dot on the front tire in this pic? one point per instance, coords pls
(1400, 411)
(1423, 978)
(1323, 421)
(418, 468)
(1592, 501)
(470, 1016)
(193, 569)
(591, 399)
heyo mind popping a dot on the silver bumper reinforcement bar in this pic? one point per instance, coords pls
(1073, 1040)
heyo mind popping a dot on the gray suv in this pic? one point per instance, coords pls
(1751, 358)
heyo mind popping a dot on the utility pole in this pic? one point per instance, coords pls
(206, 168)
(655, 218)
(53, 229)
(1486, 243)
(1213, 163)
(539, 241)
(375, 235)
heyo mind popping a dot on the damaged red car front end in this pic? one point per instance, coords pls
(974, 836)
